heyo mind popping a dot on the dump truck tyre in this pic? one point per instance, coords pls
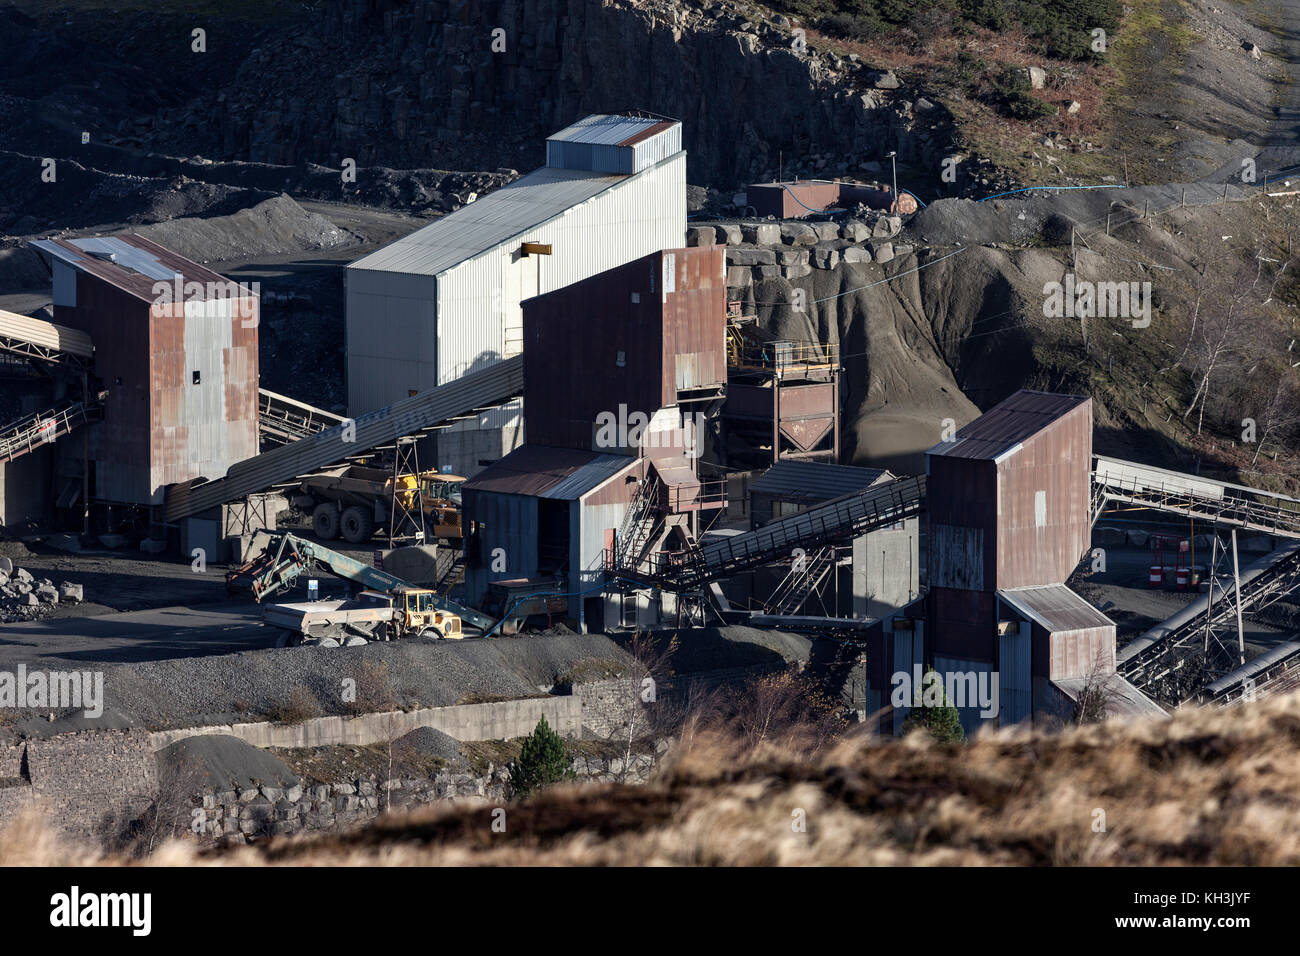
(432, 634)
(325, 521)
(356, 525)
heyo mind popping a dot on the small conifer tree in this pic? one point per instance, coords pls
(543, 759)
(942, 720)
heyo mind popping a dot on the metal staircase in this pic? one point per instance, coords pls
(807, 572)
(840, 520)
(30, 432)
(639, 524)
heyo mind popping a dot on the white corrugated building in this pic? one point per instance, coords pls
(445, 300)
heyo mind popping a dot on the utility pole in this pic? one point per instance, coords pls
(1209, 596)
(1236, 577)
(893, 162)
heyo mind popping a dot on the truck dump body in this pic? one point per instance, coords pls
(364, 612)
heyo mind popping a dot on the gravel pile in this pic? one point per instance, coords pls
(1043, 216)
(224, 763)
(255, 685)
(426, 742)
(721, 648)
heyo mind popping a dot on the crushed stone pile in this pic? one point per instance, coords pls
(25, 597)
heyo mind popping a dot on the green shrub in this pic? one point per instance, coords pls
(543, 759)
(941, 721)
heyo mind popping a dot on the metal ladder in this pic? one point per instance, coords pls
(806, 575)
(639, 524)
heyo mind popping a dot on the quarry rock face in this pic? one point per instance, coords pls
(423, 84)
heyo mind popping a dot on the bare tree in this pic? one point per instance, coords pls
(1281, 415)
(1100, 690)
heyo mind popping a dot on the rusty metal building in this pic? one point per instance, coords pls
(175, 360)
(799, 198)
(630, 341)
(1009, 519)
(547, 513)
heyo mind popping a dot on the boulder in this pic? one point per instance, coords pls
(826, 230)
(856, 254)
(762, 234)
(701, 236)
(796, 270)
(6, 566)
(885, 80)
(792, 257)
(739, 277)
(825, 257)
(798, 234)
(854, 231)
(1037, 77)
(46, 594)
(750, 257)
(730, 233)
(71, 592)
(882, 251)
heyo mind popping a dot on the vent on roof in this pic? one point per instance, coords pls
(102, 254)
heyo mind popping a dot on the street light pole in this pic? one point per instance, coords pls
(893, 162)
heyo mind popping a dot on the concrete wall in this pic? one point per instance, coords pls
(492, 721)
(886, 570)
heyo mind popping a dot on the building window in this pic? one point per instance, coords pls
(621, 359)
(194, 377)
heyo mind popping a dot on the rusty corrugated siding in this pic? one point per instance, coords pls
(1043, 504)
(573, 338)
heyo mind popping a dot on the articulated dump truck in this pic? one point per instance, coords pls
(353, 501)
(386, 609)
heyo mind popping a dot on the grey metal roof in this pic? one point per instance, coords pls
(609, 129)
(1123, 700)
(795, 480)
(1003, 427)
(1055, 607)
(486, 223)
(136, 264)
(541, 471)
(589, 477)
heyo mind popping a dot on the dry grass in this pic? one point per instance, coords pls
(1207, 787)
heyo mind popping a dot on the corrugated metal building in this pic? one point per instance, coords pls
(1008, 512)
(445, 300)
(1009, 520)
(176, 351)
(547, 512)
(630, 341)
